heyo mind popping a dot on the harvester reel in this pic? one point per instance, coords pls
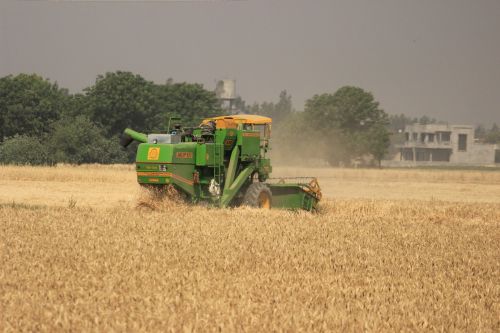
(313, 187)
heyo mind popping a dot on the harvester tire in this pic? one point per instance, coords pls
(258, 195)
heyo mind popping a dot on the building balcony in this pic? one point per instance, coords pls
(419, 144)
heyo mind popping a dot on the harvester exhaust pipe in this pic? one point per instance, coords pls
(125, 140)
(130, 135)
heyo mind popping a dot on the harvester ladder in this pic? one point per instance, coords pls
(217, 166)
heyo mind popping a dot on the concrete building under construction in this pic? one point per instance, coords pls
(437, 144)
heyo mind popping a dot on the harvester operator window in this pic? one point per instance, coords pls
(261, 129)
(265, 133)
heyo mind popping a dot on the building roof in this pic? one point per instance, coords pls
(242, 119)
(436, 127)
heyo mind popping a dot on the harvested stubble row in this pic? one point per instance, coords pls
(356, 265)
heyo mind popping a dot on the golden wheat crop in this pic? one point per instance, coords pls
(365, 262)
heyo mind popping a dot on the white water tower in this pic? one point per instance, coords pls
(225, 90)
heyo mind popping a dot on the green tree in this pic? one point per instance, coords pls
(398, 122)
(29, 104)
(493, 135)
(352, 121)
(279, 111)
(240, 105)
(378, 142)
(253, 109)
(425, 120)
(189, 101)
(23, 149)
(119, 100)
(78, 140)
(480, 132)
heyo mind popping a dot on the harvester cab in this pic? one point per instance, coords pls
(223, 161)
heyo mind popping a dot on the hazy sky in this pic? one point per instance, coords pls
(434, 57)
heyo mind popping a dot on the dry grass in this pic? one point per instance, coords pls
(363, 264)
(109, 186)
(87, 185)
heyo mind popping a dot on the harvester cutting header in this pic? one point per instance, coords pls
(222, 162)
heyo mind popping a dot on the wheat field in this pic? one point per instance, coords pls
(389, 250)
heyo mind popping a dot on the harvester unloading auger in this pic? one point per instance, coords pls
(222, 162)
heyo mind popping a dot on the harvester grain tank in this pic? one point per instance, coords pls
(224, 162)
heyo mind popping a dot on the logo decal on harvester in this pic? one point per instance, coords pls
(153, 153)
(184, 154)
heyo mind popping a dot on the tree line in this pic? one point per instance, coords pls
(42, 123)
(341, 128)
(344, 128)
(488, 135)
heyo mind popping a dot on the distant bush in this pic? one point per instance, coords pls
(73, 140)
(78, 140)
(22, 149)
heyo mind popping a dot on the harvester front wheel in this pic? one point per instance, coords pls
(258, 195)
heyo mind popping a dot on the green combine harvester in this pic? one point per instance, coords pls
(222, 162)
